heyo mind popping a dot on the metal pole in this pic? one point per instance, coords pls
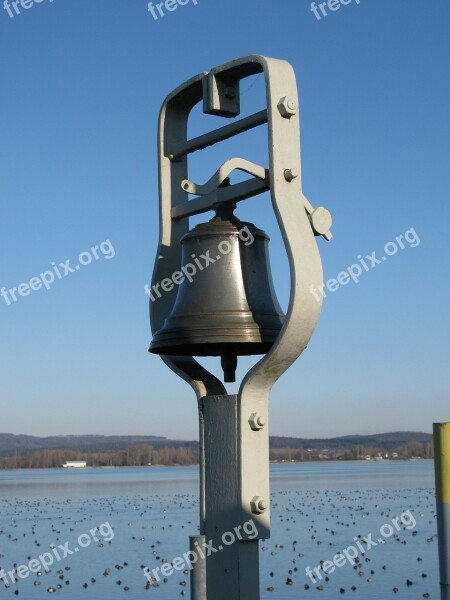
(441, 436)
(445, 592)
(198, 571)
(232, 563)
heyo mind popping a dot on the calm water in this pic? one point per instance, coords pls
(317, 510)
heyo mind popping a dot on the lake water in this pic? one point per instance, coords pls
(148, 514)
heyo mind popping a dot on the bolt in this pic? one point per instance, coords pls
(256, 421)
(290, 174)
(258, 505)
(287, 107)
(292, 105)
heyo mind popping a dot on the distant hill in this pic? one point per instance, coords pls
(385, 440)
(11, 444)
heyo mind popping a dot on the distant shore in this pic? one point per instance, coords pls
(284, 463)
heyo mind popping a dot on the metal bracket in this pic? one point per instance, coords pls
(221, 95)
(222, 173)
(299, 222)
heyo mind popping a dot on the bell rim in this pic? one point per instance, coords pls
(213, 348)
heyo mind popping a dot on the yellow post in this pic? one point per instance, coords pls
(441, 437)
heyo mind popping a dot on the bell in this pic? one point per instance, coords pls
(226, 305)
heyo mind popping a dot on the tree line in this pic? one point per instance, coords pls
(406, 451)
(140, 455)
(146, 454)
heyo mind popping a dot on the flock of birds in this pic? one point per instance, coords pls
(308, 529)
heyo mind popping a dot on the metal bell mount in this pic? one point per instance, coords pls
(230, 308)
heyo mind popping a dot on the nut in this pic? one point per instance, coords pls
(256, 421)
(258, 505)
(287, 107)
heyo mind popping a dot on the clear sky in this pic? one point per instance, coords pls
(82, 83)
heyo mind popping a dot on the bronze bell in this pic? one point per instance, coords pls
(228, 306)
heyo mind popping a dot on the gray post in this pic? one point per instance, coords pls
(232, 569)
(198, 571)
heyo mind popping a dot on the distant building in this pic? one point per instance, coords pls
(75, 464)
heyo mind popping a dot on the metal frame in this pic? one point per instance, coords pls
(299, 223)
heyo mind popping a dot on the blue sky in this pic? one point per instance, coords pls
(82, 84)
